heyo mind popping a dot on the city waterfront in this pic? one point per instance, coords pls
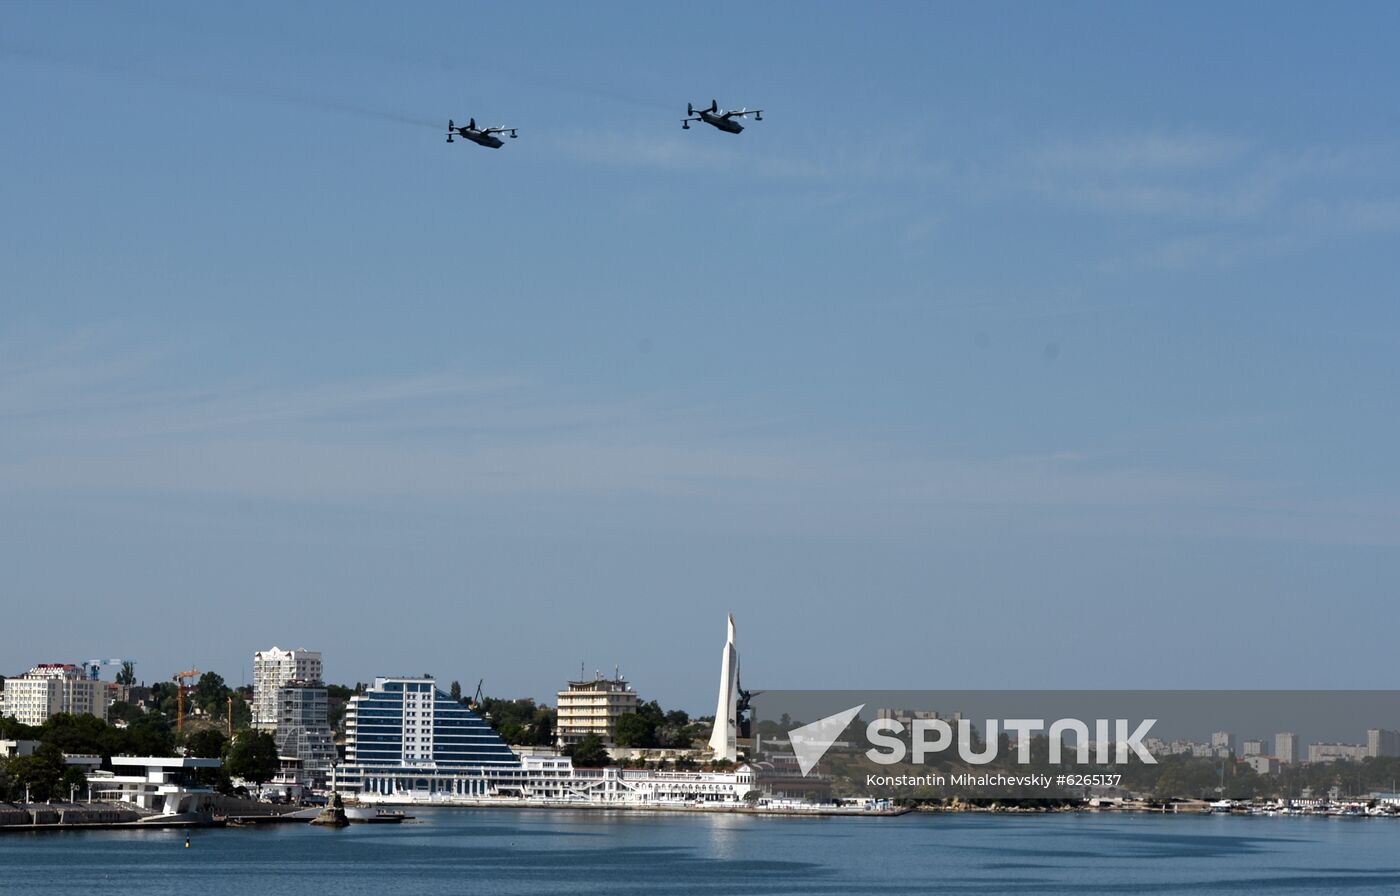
(506, 852)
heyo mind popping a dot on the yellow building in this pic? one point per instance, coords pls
(592, 707)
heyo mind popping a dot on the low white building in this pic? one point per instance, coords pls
(1331, 752)
(12, 748)
(161, 784)
(553, 780)
(1263, 765)
(646, 786)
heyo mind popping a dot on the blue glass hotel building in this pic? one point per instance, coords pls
(403, 735)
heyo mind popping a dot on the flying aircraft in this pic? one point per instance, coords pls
(481, 136)
(718, 118)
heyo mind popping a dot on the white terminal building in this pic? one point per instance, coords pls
(275, 669)
(51, 688)
(163, 785)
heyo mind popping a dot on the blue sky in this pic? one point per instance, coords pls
(1017, 346)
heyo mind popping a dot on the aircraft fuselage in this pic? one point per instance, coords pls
(481, 139)
(719, 121)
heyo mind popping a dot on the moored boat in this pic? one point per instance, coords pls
(365, 815)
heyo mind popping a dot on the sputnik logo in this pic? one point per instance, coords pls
(811, 741)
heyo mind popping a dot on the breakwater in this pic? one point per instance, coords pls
(29, 816)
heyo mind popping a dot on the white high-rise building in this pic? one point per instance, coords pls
(52, 688)
(274, 669)
(1381, 742)
(724, 739)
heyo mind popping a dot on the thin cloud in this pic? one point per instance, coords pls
(894, 158)
(1141, 152)
(454, 438)
(1211, 250)
(682, 155)
(1238, 201)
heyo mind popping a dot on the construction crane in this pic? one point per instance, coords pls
(179, 679)
(475, 703)
(94, 667)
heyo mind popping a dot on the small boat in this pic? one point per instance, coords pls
(362, 815)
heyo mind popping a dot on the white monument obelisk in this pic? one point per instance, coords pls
(723, 742)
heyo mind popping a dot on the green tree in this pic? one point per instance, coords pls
(40, 771)
(340, 691)
(211, 694)
(127, 675)
(124, 712)
(542, 727)
(589, 752)
(74, 733)
(455, 692)
(337, 696)
(634, 730)
(242, 711)
(253, 756)
(72, 782)
(163, 697)
(519, 721)
(13, 729)
(207, 743)
(151, 734)
(658, 728)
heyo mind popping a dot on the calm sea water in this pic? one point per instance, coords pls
(537, 853)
